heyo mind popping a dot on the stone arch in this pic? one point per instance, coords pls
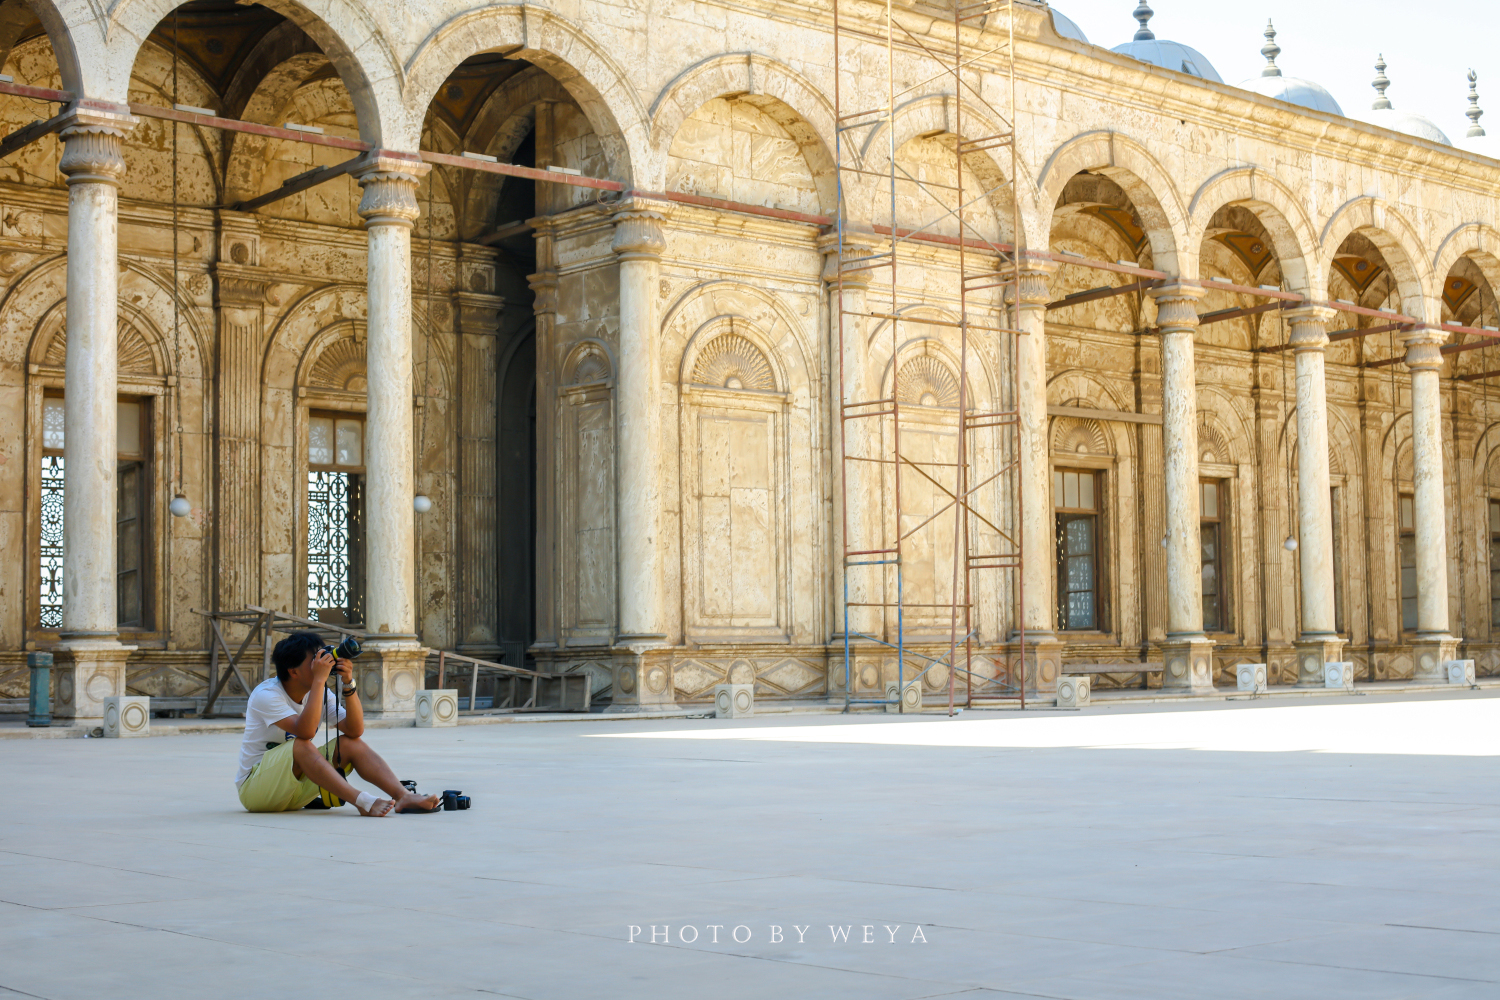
(1080, 387)
(245, 153)
(1129, 164)
(1291, 230)
(322, 309)
(932, 342)
(79, 78)
(757, 314)
(588, 363)
(1398, 242)
(742, 74)
(335, 359)
(350, 34)
(931, 116)
(1221, 430)
(597, 83)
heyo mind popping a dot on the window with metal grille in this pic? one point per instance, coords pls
(1213, 520)
(335, 518)
(132, 514)
(1076, 501)
(1407, 540)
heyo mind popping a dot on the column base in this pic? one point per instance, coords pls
(1312, 653)
(1430, 655)
(1187, 666)
(88, 671)
(643, 678)
(390, 673)
(1044, 662)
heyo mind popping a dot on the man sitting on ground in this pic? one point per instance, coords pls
(280, 766)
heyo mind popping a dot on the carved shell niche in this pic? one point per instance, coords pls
(341, 366)
(1073, 436)
(1212, 448)
(134, 353)
(592, 365)
(729, 361)
(926, 381)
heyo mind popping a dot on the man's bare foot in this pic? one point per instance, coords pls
(418, 803)
(380, 807)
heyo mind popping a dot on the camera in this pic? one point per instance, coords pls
(347, 649)
(453, 799)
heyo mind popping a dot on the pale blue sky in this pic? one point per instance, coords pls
(1429, 46)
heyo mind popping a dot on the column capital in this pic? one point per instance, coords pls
(854, 246)
(1177, 306)
(1036, 277)
(1308, 327)
(638, 231)
(544, 286)
(1424, 348)
(390, 182)
(93, 134)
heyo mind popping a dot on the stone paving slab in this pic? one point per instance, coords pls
(1334, 849)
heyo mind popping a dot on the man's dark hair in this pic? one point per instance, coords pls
(289, 653)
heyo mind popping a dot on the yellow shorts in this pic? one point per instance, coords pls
(272, 787)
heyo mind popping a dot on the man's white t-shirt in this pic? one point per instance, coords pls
(269, 704)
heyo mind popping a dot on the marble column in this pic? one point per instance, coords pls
(1434, 644)
(1318, 642)
(544, 285)
(91, 660)
(391, 671)
(638, 244)
(1038, 607)
(1187, 652)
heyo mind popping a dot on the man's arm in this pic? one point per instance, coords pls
(304, 726)
(354, 719)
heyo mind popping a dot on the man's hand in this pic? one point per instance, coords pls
(322, 665)
(344, 670)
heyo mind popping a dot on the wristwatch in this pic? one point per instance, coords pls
(353, 685)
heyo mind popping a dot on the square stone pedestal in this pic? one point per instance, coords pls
(643, 679)
(1430, 656)
(87, 672)
(127, 715)
(1044, 661)
(1312, 653)
(1187, 666)
(390, 673)
(437, 708)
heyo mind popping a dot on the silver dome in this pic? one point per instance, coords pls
(1381, 113)
(1064, 26)
(1175, 56)
(1291, 89)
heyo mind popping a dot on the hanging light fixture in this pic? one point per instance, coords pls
(1290, 544)
(422, 503)
(180, 506)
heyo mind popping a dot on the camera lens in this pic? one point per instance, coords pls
(463, 802)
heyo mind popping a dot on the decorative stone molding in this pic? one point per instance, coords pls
(544, 287)
(437, 708)
(1177, 307)
(638, 233)
(855, 247)
(238, 290)
(390, 190)
(93, 140)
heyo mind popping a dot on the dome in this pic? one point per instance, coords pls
(1064, 26)
(1291, 89)
(1175, 56)
(1382, 114)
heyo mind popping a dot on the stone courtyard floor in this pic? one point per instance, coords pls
(1340, 848)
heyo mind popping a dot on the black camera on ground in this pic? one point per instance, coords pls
(454, 799)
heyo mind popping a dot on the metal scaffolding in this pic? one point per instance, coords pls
(885, 219)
